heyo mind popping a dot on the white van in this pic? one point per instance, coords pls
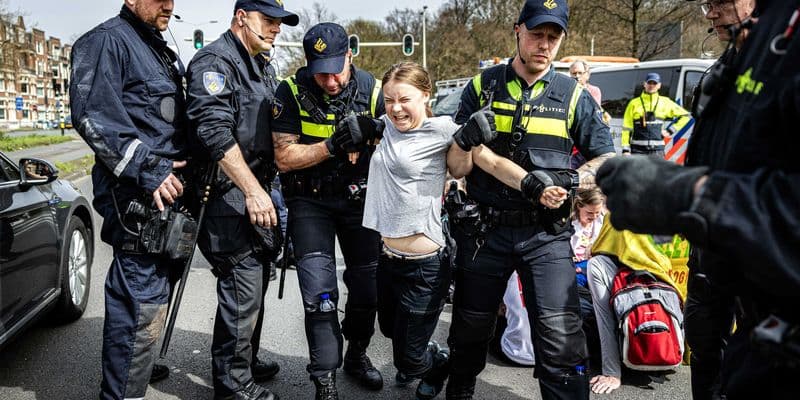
(621, 83)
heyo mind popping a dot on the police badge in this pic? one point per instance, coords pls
(277, 109)
(214, 82)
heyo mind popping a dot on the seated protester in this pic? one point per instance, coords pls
(404, 204)
(611, 250)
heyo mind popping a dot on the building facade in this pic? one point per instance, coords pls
(34, 77)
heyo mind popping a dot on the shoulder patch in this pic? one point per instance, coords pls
(277, 108)
(214, 82)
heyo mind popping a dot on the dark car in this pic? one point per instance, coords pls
(46, 247)
(448, 105)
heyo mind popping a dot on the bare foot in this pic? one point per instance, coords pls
(604, 384)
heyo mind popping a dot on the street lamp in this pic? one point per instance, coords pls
(424, 47)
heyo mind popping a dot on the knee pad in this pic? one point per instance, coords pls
(316, 273)
(561, 343)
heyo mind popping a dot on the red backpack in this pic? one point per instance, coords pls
(650, 321)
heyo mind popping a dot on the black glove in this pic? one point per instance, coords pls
(535, 182)
(352, 132)
(479, 129)
(647, 194)
(371, 128)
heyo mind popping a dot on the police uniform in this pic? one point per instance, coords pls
(230, 94)
(744, 216)
(128, 104)
(537, 126)
(646, 117)
(751, 197)
(325, 201)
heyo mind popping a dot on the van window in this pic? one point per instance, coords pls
(619, 87)
(690, 82)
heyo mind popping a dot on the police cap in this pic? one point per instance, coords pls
(537, 12)
(270, 8)
(326, 46)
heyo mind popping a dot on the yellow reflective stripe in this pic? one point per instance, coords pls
(476, 84)
(373, 103)
(316, 130)
(546, 126)
(503, 123)
(503, 106)
(573, 105)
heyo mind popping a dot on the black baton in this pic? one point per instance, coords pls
(284, 261)
(176, 302)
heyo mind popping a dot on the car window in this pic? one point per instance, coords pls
(448, 105)
(8, 172)
(619, 87)
(690, 82)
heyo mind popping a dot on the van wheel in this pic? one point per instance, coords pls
(76, 263)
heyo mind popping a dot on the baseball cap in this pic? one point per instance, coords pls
(653, 77)
(270, 8)
(326, 46)
(537, 12)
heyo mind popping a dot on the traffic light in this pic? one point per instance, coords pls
(408, 44)
(198, 39)
(354, 42)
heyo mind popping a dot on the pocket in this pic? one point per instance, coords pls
(162, 99)
(548, 159)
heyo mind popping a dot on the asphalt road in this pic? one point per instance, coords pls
(63, 362)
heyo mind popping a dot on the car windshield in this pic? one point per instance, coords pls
(448, 105)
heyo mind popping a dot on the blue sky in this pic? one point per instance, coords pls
(68, 19)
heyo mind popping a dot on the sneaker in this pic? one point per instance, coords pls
(160, 372)
(251, 391)
(263, 370)
(433, 382)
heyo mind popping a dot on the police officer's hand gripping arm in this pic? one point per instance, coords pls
(213, 110)
(104, 123)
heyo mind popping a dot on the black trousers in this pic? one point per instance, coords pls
(313, 226)
(226, 242)
(411, 296)
(544, 264)
(708, 318)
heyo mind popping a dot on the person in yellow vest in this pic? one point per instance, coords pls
(646, 121)
(323, 119)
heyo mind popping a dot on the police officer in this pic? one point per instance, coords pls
(230, 89)
(741, 206)
(323, 181)
(128, 103)
(644, 125)
(539, 115)
(709, 309)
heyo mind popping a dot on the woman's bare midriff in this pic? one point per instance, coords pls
(414, 244)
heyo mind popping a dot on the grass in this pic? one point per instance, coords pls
(83, 165)
(24, 142)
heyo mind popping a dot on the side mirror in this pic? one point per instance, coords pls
(34, 171)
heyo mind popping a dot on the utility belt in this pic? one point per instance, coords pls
(329, 187)
(510, 218)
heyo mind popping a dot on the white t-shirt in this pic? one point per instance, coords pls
(406, 180)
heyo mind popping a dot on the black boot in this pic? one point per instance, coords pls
(326, 387)
(358, 365)
(263, 370)
(160, 372)
(574, 387)
(433, 381)
(460, 387)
